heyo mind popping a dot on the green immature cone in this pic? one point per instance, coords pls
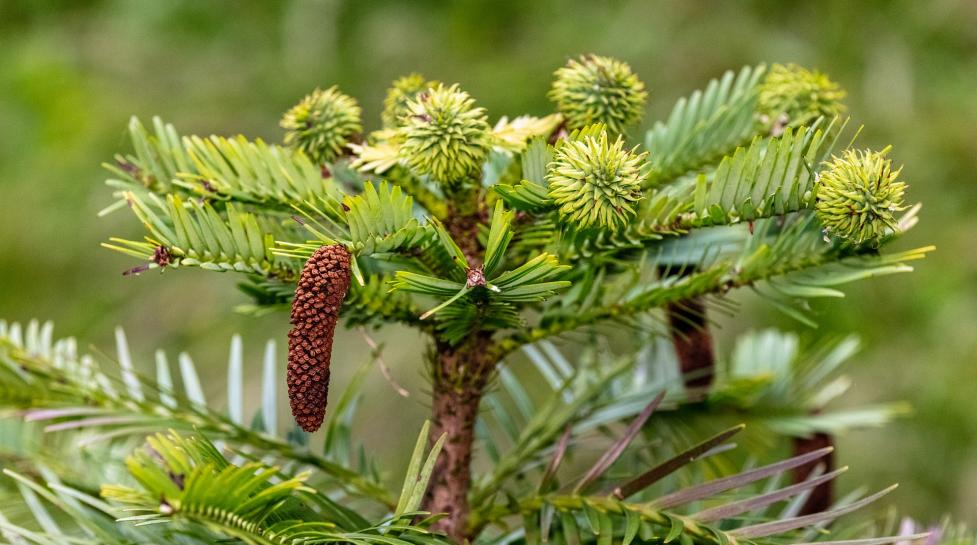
(444, 135)
(858, 195)
(403, 90)
(596, 89)
(792, 95)
(322, 123)
(595, 182)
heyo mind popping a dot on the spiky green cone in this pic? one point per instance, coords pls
(792, 95)
(322, 123)
(595, 181)
(596, 89)
(858, 195)
(445, 135)
(403, 90)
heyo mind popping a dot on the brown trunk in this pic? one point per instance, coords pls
(821, 496)
(460, 376)
(693, 341)
(448, 493)
(689, 330)
(462, 222)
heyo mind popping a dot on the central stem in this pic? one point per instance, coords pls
(460, 378)
(460, 374)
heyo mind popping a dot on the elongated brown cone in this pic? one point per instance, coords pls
(315, 312)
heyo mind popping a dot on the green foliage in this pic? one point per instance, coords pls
(381, 220)
(236, 169)
(490, 242)
(533, 281)
(184, 485)
(195, 483)
(194, 234)
(322, 123)
(785, 264)
(157, 160)
(790, 386)
(770, 380)
(89, 400)
(218, 168)
(188, 482)
(596, 89)
(418, 475)
(553, 511)
(373, 303)
(768, 178)
(705, 126)
(532, 193)
(858, 195)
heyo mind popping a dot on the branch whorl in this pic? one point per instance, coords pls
(315, 312)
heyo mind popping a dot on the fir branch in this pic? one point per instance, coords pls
(194, 234)
(794, 262)
(157, 160)
(82, 397)
(253, 172)
(767, 178)
(229, 169)
(581, 517)
(380, 220)
(186, 480)
(704, 126)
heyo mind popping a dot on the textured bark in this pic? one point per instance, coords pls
(462, 222)
(460, 374)
(460, 377)
(315, 312)
(822, 496)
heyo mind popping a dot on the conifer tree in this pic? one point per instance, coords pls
(562, 271)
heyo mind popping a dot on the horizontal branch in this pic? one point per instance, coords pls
(790, 259)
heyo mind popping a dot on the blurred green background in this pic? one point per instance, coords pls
(72, 72)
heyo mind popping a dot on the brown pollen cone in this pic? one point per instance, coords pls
(315, 312)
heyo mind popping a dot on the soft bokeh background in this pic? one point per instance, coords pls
(72, 72)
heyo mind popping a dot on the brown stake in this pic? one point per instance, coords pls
(315, 312)
(693, 342)
(822, 496)
(689, 329)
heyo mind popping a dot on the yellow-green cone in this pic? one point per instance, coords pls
(792, 95)
(595, 181)
(403, 90)
(322, 123)
(596, 89)
(858, 196)
(445, 135)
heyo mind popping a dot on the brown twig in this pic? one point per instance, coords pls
(384, 369)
